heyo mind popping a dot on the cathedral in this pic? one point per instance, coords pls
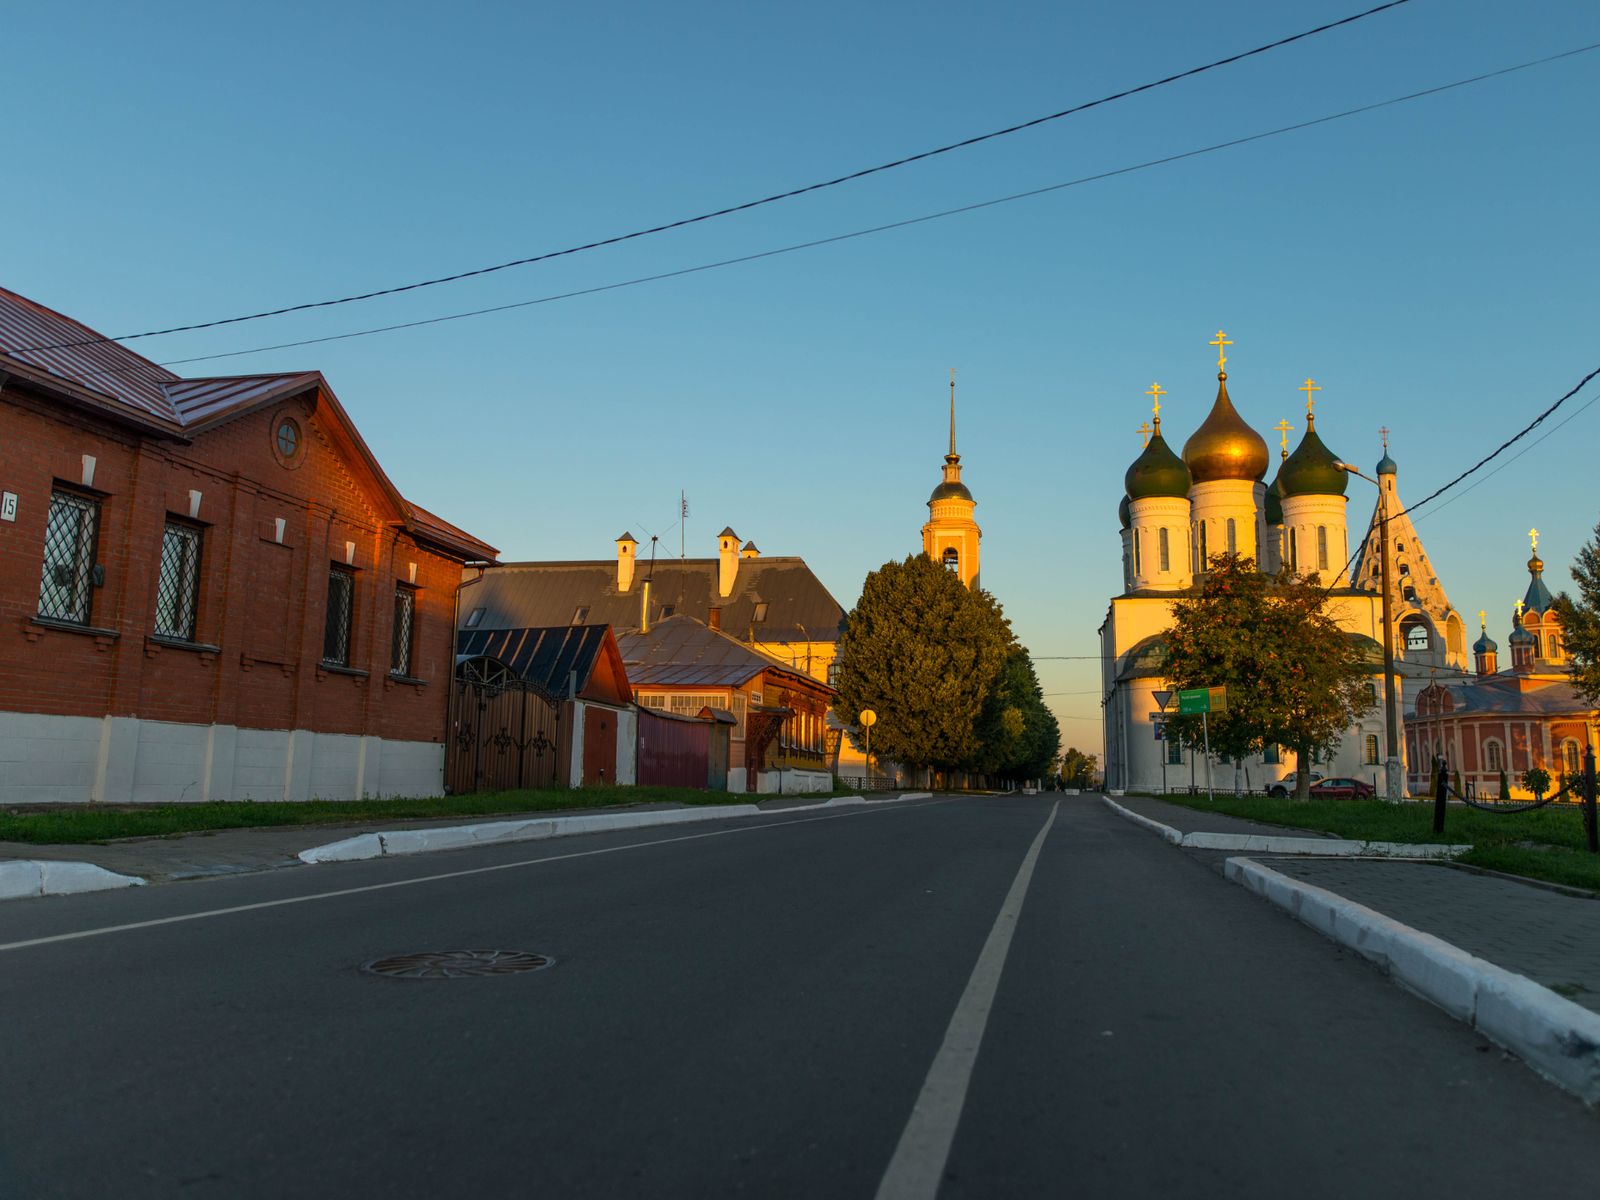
(1214, 498)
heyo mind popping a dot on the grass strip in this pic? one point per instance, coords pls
(99, 823)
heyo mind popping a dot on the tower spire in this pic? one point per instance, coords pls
(953, 453)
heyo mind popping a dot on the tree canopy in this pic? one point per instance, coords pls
(1293, 677)
(941, 667)
(1580, 621)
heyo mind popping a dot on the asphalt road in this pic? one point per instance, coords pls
(761, 1008)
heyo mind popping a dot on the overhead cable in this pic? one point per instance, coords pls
(747, 204)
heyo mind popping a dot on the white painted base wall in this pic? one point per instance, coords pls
(793, 782)
(124, 760)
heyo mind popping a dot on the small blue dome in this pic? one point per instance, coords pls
(1386, 465)
(1485, 644)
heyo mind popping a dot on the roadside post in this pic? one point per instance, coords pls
(1202, 702)
(868, 719)
(1591, 826)
(1441, 784)
(1163, 697)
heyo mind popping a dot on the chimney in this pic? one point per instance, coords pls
(625, 559)
(727, 561)
(714, 617)
(644, 607)
(749, 551)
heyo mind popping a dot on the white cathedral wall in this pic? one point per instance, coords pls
(1218, 501)
(1303, 518)
(1150, 518)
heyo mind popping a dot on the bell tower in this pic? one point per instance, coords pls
(951, 535)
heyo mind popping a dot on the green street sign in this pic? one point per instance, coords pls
(1194, 701)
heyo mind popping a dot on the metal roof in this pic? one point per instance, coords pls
(798, 606)
(681, 652)
(1510, 693)
(546, 658)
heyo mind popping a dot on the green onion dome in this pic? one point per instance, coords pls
(1123, 514)
(1224, 447)
(1313, 469)
(1157, 472)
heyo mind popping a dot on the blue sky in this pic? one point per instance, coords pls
(1431, 265)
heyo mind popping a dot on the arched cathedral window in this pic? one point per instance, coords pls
(1233, 538)
(952, 557)
(1569, 757)
(1166, 551)
(1138, 558)
(1322, 547)
(1294, 551)
(1370, 750)
(1493, 757)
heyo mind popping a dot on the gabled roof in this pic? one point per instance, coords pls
(85, 370)
(1511, 694)
(681, 652)
(549, 658)
(798, 606)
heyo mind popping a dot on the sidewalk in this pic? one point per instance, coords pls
(1191, 820)
(237, 851)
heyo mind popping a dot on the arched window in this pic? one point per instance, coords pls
(1233, 538)
(1166, 551)
(1417, 637)
(1322, 547)
(1537, 646)
(1552, 645)
(1372, 692)
(1493, 756)
(1405, 569)
(1408, 592)
(952, 557)
(1569, 757)
(1294, 551)
(1370, 750)
(1204, 556)
(1138, 557)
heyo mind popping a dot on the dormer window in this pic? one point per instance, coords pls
(761, 612)
(474, 617)
(580, 614)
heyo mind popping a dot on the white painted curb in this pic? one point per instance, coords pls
(455, 837)
(1272, 844)
(24, 877)
(1557, 1038)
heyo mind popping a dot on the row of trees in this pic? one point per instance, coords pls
(940, 665)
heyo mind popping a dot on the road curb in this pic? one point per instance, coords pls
(388, 843)
(1557, 1038)
(1272, 844)
(22, 878)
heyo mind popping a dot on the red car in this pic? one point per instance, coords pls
(1342, 789)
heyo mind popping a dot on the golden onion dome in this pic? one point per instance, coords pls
(1224, 447)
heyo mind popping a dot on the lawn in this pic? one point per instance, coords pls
(96, 823)
(1546, 843)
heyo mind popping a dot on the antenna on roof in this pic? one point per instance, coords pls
(683, 516)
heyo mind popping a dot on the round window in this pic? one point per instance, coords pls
(288, 438)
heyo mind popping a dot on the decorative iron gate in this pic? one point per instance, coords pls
(503, 731)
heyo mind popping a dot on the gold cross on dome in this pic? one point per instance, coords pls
(1519, 610)
(1384, 434)
(1222, 343)
(1283, 428)
(1533, 536)
(1155, 391)
(1483, 619)
(1309, 386)
(1145, 431)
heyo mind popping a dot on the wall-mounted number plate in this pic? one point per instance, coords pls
(8, 506)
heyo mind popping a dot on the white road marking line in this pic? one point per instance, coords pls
(917, 1167)
(399, 883)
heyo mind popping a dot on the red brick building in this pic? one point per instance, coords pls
(210, 589)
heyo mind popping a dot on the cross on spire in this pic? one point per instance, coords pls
(1283, 428)
(1483, 619)
(1145, 431)
(1309, 386)
(1383, 432)
(1533, 536)
(1222, 343)
(1519, 611)
(1155, 391)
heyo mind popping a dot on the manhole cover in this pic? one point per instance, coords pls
(457, 964)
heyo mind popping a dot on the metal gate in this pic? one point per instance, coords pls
(503, 731)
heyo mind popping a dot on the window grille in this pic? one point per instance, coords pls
(405, 626)
(69, 545)
(1370, 757)
(340, 618)
(178, 584)
(1174, 752)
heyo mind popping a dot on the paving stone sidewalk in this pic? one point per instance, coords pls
(1194, 820)
(1551, 937)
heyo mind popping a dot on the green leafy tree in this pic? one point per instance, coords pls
(1077, 769)
(1580, 621)
(1017, 735)
(924, 652)
(1537, 781)
(1293, 677)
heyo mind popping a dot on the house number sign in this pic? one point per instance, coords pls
(8, 506)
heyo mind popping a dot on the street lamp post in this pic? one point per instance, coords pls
(1391, 768)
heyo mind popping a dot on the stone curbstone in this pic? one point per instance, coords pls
(1165, 831)
(23, 877)
(1259, 843)
(1557, 1038)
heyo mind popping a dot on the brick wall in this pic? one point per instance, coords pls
(255, 658)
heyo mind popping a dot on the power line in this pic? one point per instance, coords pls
(748, 204)
(875, 229)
